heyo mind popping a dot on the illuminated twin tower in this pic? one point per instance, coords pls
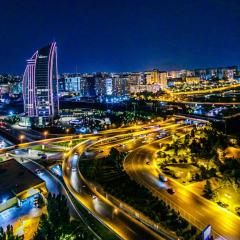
(40, 84)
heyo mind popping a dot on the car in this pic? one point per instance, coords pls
(37, 171)
(44, 156)
(171, 191)
(94, 196)
(147, 162)
(100, 151)
(74, 168)
(162, 178)
(158, 137)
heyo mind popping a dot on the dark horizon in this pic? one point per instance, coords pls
(121, 37)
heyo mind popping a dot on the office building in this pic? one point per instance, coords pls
(40, 84)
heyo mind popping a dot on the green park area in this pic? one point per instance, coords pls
(69, 143)
(60, 146)
(47, 149)
(207, 162)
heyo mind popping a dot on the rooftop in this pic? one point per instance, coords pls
(15, 178)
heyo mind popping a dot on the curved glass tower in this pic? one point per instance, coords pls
(40, 83)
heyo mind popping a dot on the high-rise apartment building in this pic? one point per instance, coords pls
(156, 77)
(120, 85)
(88, 86)
(73, 84)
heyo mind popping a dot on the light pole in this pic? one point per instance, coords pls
(45, 133)
(21, 137)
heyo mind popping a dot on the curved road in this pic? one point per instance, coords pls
(198, 210)
(118, 221)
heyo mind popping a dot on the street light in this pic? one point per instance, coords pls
(67, 130)
(21, 137)
(45, 133)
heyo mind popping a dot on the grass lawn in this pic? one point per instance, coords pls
(228, 195)
(224, 191)
(68, 143)
(47, 149)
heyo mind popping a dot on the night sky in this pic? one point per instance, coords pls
(121, 35)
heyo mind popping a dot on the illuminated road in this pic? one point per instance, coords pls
(202, 103)
(118, 221)
(199, 103)
(124, 225)
(205, 91)
(198, 210)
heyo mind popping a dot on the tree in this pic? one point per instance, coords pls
(57, 225)
(58, 210)
(115, 157)
(208, 192)
(44, 229)
(51, 226)
(8, 234)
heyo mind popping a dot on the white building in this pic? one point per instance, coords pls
(73, 84)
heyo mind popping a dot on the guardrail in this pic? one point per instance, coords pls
(183, 212)
(74, 193)
(136, 214)
(123, 206)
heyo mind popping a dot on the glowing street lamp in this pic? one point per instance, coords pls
(45, 133)
(67, 130)
(21, 137)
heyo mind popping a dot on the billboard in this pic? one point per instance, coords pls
(206, 233)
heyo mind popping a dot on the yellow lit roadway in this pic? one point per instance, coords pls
(198, 210)
(112, 216)
(74, 180)
(103, 134)
(125, 226)
(199, 103)
(117, 220)
(205, 91)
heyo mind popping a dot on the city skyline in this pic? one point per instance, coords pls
(103, 37)
(120, 120)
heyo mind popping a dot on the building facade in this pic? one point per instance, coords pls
(73, 84)
(156, 77)
(40, 84)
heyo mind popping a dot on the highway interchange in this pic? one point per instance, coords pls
(123, 221)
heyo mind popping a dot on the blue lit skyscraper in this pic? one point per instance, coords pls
(40, 84)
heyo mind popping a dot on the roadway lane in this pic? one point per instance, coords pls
(195, 208)
(124, 225)
(118, 221)
(121, 223)
(53, 184)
